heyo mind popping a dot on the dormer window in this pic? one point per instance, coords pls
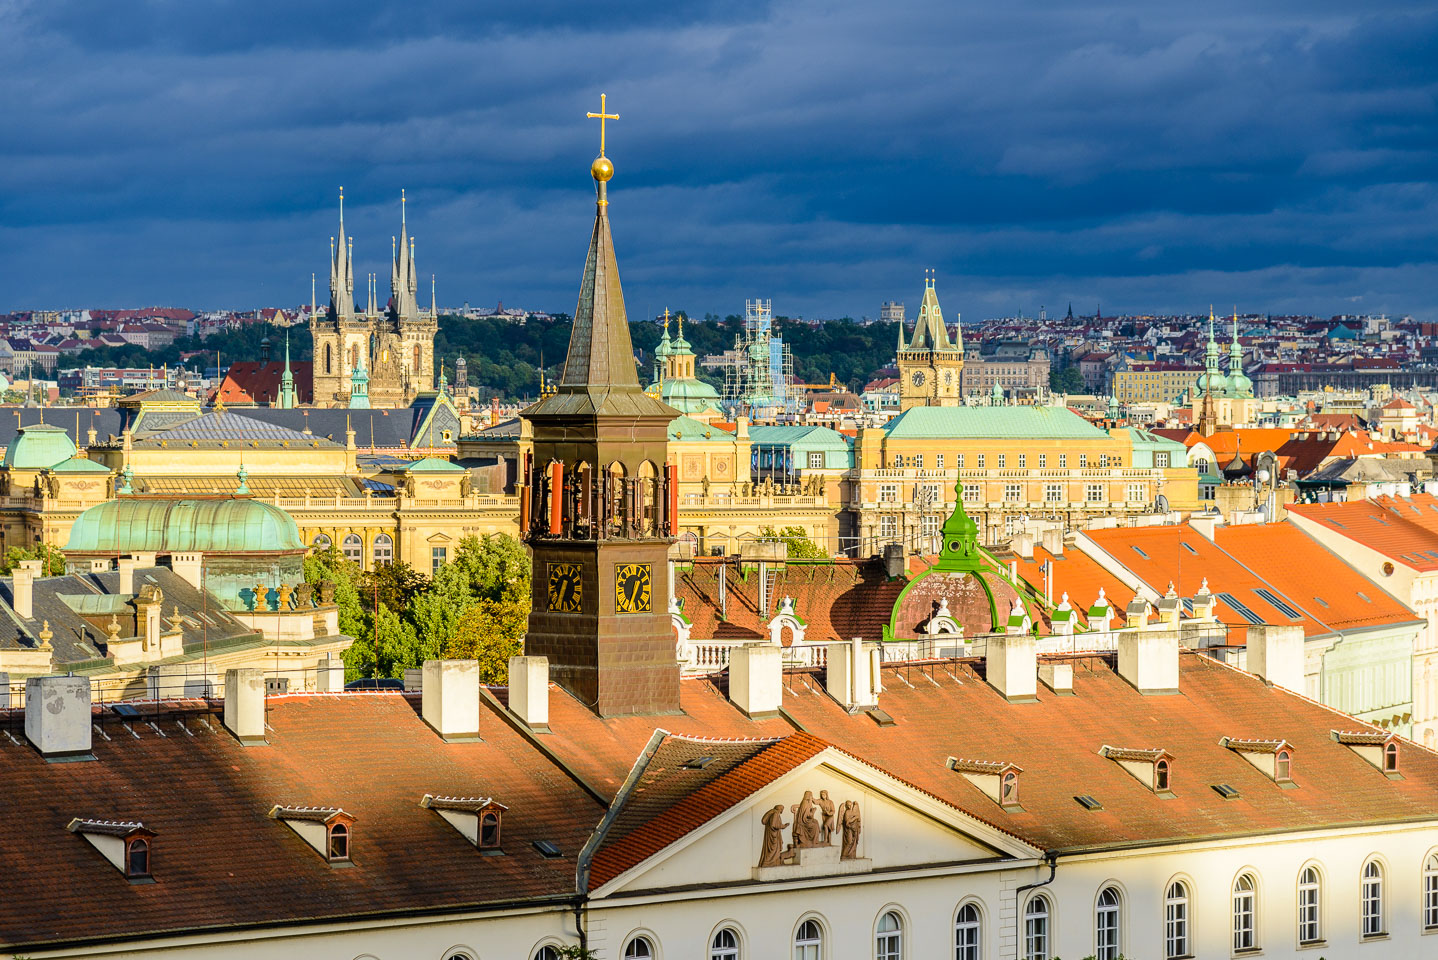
(1283, 766)
(479, 819)
(125, 843)
(1272, 758)
(1151, 767)
(328, 830)
(999, 781)
(1378, 748)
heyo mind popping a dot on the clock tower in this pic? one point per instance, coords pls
(598, 505)
(930, 364)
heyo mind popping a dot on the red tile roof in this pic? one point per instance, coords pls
(251, 382)
(1404, 529)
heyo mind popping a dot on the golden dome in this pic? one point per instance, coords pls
(601, 169)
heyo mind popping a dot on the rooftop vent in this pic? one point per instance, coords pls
(477, 818)
(1378, 748)
(125, 843)
(698, 763)
(1151, 767)
(328, 829)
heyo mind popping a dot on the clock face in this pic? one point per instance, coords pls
(918, 378)
(632, 587)
(566, 589)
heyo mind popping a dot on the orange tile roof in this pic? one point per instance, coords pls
(1081, 577)
(1404, 529)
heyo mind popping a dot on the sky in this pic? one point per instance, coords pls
(1146, 156)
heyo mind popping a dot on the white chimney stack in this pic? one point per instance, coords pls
(23, 590)
(851, 678)
(126, 566)
(1011, 666)
(529, 691)
(245, 705)
(756, 678)
(57, 716)
(1053, 540)
(1148, 660)
(1058, 677)
(451, 699)
(188, 567)
(330, 675)
(1275, 653)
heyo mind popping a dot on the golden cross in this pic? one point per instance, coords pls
(602, 116)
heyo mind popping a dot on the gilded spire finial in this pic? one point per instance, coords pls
(666, 321)
(601, 169)
(401, 206)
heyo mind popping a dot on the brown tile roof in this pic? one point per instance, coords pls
(220, 861)
(249, 381)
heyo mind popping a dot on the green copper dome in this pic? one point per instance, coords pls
(39, 445)
(229, 525)
(689, 396)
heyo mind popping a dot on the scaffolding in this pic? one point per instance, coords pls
(759, 377)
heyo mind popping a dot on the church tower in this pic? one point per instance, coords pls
(929, 364)
(338, 327)
(598, 505)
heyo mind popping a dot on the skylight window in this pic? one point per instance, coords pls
(1239, 608)
(1088, 802)
(1226, 791)
(1140, 553)
(1321, 602)
(1364, 597)
(1186, 546)
(1272, 598)
(547, 849)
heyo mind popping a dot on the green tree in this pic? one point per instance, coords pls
(396, 645)
(52, 561)
(490, 632)
(797, 542)
(330, 565)
(393, 584)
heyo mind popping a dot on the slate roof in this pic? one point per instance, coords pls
(229, 425)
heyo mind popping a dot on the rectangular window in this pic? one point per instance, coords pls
(1043, 461)
(1093, 493)
(1083, 461)
(1003, 461)
(929, 525)
(437, 556)
(1239, 608)
(889, 527)
(959, 460)
(1063, 461)
(971, 493)
(1135, 493)
(919, 461)
(1023, 461)
(1013, 492)
(888, 493)
(1053, 493)
(939, 460)
(816, 460)
(981, 461)
(929, 494)
(1160, 459)
(1103, 460)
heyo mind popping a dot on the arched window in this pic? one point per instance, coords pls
(1175, 920)
(329, 360)
(1201, 465)
(1036, 929)
(724, 946)
(1430, 892)
(809, 941)
(1160, 775)
(1390, 758)
(1009, 789)
(137, 858)
(639, 948)
(1310, 906)
(1372, 899)
(1245, 903)
(322, 542)
(383, 549)
(458, 955)
(489, 829)
(416, 360)
(353, 548)
(339, 842)
(1107, 916)
(547, 952)
(889, 939)
(968, 933)
(1283, 766)
(354, 356)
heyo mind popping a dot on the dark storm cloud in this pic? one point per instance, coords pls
(1146, 155)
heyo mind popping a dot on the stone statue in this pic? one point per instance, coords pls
(285, 591)
(827, 823)
(849, 822)
(772, 854)
(806, 821)
(262, 597)
(304, 594)
(704, 483)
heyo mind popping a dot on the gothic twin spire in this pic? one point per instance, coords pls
(930, 331)
(404, 275)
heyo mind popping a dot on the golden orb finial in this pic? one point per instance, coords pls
(601, 169)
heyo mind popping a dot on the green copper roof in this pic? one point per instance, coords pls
(229, 525)
(79, 465)
(689, 396)
(687, 428)
(37, 446)
(815, 438)
(999, 422)
(434, 465)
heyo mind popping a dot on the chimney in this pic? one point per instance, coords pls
(451, 699)
(330, 675)
(1275, 653)
(1011, 666)
(23, 589)
(188, 567)
(756, 679)
(1058, 677)
(1204, 525)
(57, 716)
(245, 705)
(1148, 660)
(1023, 545)
(1053, 541)
(851, 677)
(147, 559)
(99, 566)
(148, 606)
(529, 691)
(126, 566)
(893, 560)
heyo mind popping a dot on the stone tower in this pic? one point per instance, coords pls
(598, 505)
(929, 363)
(394, 345)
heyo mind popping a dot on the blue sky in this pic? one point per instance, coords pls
(1143, 155)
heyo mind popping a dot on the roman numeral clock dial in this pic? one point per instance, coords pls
(566, 588)
(632, 587)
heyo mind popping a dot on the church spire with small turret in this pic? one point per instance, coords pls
(342, 273)
(287, 381)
